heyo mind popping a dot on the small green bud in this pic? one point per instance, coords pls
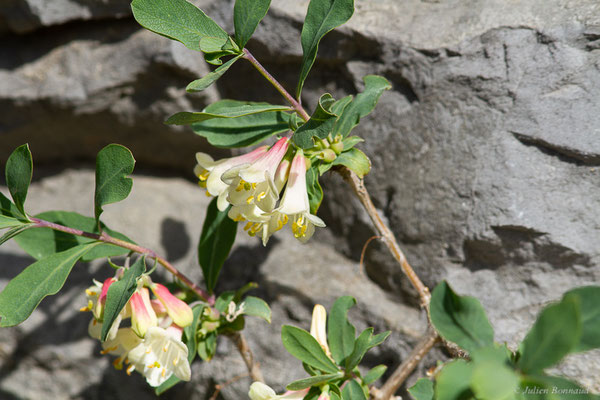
(337, 147)
(327, 155)
(212, 314)
(209, 326)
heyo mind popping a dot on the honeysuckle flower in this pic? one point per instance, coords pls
(318, 328)
(179, 311)
(260, 391)
(143, 316)
(294, 203)
(210, 172)
(96, 296)
(124, 341)
(160, 355)
(255, 183)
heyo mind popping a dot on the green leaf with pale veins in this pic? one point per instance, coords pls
(178, 20)
(304, 347)
(113, 165)
(200, 84)
(319, 125)
(362, 105)
(422, 390)
(257, 308)
(374, 374)
(42, 278)
(554, 334)
(216, 239)
(460, 319)
(355, 160)
(322, 16)
(241, 131)
(313, 381)
(119, 294)
(235, 110)
(340, 332)
(589, 301)
(19, 170)
(41, 242)
(246, 16)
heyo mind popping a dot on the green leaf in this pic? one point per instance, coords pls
(8, 209)
(313, 381)
(233, 111)
(340, 332)
(492, 380)
(313, 187)
(338, 107)
(378, 339)
(200, 84)
(460, 319)
(353, 390)
(19, 170)
(351, 141)
(589, 301)
(119, 294)
(355, 160)
(304, 347)
(177, 20)
(216, 239)
(374, 374)
(319, 125)
(41, 242)
(242, 131)
(453, 381)
(257, 308)
(224, 299)
(42, 278)
(555, 333)
(422, 390)
(246, 16)
(322, 16)
(207, 346)
(14, 232)
(361, 346)
(364, 103)
(9, 222)
(113, 164)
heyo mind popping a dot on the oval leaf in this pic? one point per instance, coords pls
(41, 242)
(361, 346)
(113, 164)
(19, 170)
(216, 239)
(340, 332)
(460, 319)
(257, 308)
(313, 381)
(374, 374)
(178, 20)
(234, 110)
(355, 160)
(246, 16)
(422, 390)
(589, 300)
(322, 16)
(304, 347)
(453, 381)
(554, 334)
(42, 278)
(200, 84)
(119, 294)
(319, 125)
(493, 380)
(353, 391)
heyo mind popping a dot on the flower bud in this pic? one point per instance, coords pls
(318, 327)
(178, 310)
(142, 314)
(327, 155)
(260, 391)
(338, 147)
(99, 310)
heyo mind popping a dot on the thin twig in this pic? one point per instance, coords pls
(363, 252)
(104, 237)
(295, 105)
(406, 368)
(388, 237)
(242, 345)
(219, 387)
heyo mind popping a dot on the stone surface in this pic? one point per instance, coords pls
(485, 164)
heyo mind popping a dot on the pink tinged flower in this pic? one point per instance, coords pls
(260, 391)
(99, 309)
(179, 311)
(267, 164)
(160, 355)
(295, 201)
(318, 327)
(142, 314)
(210, 172)
(324, 396)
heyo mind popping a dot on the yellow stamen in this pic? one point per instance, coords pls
(163, 372)
(130, 369)
(109, 349)
(261, 196)
(249, 200)
(165, 348)
(175, 361)
(207, 194)
(86, 308)
(118, 364)
(240, 186)
(248, 226)
(204, 176)
(90, 293)
(148, 350)
(155, 364)
(202, 184)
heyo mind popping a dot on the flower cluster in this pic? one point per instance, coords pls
(252, 183)
(152, 344)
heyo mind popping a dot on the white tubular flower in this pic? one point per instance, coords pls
(160, 355)
(318, 327)
(210, 172)
(124, 341)
(294, 203)
(143, 316)
(260, 391)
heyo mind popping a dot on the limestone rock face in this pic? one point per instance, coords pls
(485, 154)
